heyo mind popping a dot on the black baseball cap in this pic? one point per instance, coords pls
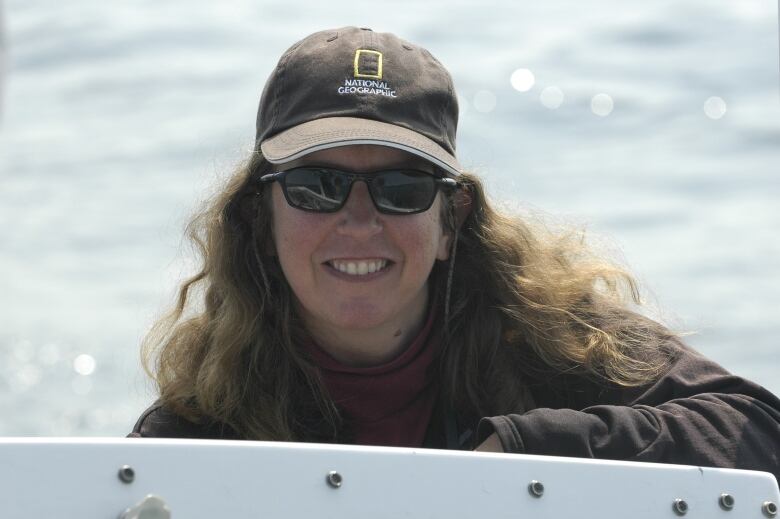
(354, 86)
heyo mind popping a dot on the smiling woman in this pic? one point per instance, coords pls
(360, 317)
(358, 287)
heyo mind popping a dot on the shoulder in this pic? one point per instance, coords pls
(687, 374)
(683, 371)
(158, 421)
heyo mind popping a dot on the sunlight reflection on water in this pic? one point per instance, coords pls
(715, 107)
(602, 105)
(522, 80)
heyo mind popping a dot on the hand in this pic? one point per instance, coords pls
(491, 444)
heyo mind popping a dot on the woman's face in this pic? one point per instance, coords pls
(328, 257)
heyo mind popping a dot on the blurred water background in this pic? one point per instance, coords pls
(654, 125)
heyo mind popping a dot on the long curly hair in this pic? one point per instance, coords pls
(515, 300)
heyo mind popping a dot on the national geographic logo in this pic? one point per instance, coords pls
(367, 76)
(368, 64)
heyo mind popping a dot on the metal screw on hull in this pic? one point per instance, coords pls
(126, 474)
(726, 501)
(334, 479)
(536, 488)
(680, 507)
(769, 509)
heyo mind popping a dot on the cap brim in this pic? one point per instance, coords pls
(332, 132)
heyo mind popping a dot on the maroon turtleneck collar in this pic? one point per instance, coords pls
(390, 404)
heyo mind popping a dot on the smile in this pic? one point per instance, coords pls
(358, 267)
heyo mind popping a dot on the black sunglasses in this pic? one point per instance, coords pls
(323, 189)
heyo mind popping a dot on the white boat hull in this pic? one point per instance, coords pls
(80, 479)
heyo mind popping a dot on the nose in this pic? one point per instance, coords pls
(359, 217)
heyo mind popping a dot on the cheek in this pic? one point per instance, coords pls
(293, 232)
(423, 239)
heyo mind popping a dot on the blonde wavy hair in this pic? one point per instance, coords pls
(522, 302)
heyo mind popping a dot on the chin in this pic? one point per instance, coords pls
(360, 316)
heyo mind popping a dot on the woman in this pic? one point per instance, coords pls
(357, 287)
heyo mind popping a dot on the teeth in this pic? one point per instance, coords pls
(359, 268)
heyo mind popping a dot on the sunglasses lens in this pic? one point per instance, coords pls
(325, 190)
(316, 189)
(403, 191)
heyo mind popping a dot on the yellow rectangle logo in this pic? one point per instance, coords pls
(368, 63)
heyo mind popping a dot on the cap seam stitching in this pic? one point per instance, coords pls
(366, 38)
(444, 113)
(282, 79)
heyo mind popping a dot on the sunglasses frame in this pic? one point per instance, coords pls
(368, 178)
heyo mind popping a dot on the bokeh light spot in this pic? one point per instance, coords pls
(23, 351)
(25, 377)
(522, 80)
(84, 364)
(602, 105)
(715, 107)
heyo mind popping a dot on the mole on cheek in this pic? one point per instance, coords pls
(397, 333)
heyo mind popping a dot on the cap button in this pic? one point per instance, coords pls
(365, 29)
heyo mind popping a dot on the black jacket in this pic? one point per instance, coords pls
(696, 414)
